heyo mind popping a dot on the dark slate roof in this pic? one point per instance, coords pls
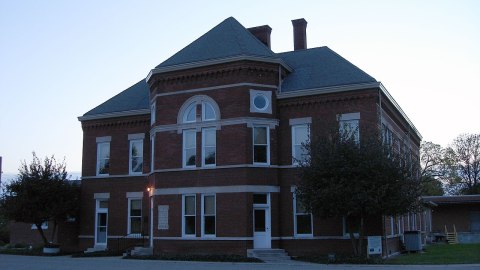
(320, 67)
(136, 97)
(227, 39)
(311, 68)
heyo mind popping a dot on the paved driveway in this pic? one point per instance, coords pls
(8, 262)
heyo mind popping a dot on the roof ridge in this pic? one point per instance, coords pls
(355, 66)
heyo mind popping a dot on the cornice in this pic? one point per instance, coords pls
(216, 62)
(116, 123)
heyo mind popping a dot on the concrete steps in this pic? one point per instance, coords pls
(269, 255)
(141, 251)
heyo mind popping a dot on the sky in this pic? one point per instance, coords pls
(59, 59)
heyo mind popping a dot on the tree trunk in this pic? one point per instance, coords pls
(361, 251)
(52, 239)
(40, 231)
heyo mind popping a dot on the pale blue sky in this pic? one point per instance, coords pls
(59, 59)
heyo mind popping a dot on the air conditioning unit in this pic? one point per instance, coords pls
(413, 240)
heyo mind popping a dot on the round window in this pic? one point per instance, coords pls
(260, 101)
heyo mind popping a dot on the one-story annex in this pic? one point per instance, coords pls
(198, 157)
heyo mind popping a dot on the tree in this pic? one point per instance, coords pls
(357, 180)
(465, 168)
(40, 193)
(434, 168)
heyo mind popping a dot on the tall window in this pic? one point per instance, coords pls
(208, 215)
(189, 148)
(209, 146)
(300, 135)
(349, 129)
(303, 219)
(135, 216)
(103, 158)
(136, 156)
(197, 112)
(189, 213)
(261, 146)
(152, 114)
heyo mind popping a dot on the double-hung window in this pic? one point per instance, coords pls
(300, 136)
(208, 215)
(103, 158)
(189, 148)
(303, 220)
(349, 126)
(261, 145)
(209, 146)
(136, 156)
(134, 216)
(189, 215)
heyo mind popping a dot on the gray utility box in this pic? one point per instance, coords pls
(413, 240)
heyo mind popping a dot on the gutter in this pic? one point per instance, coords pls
(113, 114)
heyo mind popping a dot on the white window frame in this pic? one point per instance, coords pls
(103, 141)
(153, 113)
(130, 157)
(268, 144)
(184, 150)
(294, 134)
(204, 105)
(183, 216)
(129, 225)
(392, 226)
(204, 130)
(295, 229)
(204, 215)
(348, 118)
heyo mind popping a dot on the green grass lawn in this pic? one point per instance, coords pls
(441, 254)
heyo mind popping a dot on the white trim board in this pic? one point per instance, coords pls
(217, 189)
(218, 87)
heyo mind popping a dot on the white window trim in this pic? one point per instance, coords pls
(99, 143)
(183, 216)
(203, 216)
(152, 153)
(294, 162)
(129, 221)
(300, 235)
(198, 99)
(184, 160)
(153, 113)
(268, 96)
(203, 147)
(268, 145)
(204, 105)
(131, 141)
(392, 226)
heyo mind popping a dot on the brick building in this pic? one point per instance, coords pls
(198, 155)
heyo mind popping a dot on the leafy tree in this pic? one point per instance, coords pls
(344, 177)
(464, 154)
(434, 168)
(41, 192)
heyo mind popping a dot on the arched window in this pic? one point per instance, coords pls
(197, 112)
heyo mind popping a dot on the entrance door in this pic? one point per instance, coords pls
(261, 227)
(101, 224)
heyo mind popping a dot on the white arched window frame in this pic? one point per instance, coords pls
(190, 123)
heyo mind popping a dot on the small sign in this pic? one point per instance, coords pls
(374, 245)
(163, 217)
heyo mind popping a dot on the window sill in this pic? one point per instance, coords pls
(303, 236)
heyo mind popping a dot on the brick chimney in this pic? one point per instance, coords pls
(299, 34)
(262, 33)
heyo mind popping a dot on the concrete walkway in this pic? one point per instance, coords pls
(13, 262)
